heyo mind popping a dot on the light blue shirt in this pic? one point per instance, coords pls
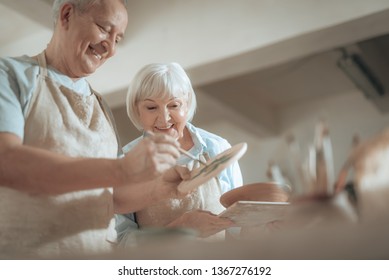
(18, 81)
(204, 142)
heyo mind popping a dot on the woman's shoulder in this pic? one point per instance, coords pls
(210, 140)
(211, 137)
(205, 134)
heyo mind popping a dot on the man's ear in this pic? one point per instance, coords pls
(66, 14)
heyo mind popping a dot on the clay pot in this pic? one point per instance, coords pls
(265, 191)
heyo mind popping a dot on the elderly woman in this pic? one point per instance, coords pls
(58, 149)
(161, 100)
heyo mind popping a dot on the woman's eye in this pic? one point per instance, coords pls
(150, 108)
(175, 106)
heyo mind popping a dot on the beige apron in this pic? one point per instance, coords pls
(205, 197)
(75, 223)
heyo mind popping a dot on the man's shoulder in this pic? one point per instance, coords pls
(19, 66)
(18, 62)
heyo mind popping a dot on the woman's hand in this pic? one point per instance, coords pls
(204, 222)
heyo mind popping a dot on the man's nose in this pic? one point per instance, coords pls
(109, 45)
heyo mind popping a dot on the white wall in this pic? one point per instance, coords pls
(347, 114)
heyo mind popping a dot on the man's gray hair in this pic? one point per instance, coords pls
(79, 4)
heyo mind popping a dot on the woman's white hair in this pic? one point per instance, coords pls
(79, 4)
(159, 80)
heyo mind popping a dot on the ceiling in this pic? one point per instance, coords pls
(303, 79)
(279, 86)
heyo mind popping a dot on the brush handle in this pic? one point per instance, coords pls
(182, 151)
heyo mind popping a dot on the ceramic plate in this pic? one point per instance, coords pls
(255, 213)
(262, 191)
(214, 166)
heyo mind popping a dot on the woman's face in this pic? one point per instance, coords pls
(91, 37)
(164, 115)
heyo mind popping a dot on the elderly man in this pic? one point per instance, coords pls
(58, 148)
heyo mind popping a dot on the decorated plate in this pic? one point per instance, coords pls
(214, 166)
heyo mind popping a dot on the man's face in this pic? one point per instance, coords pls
(91, 36)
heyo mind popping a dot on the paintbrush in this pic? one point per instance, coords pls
(182, 151)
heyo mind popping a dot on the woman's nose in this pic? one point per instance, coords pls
(164, 115)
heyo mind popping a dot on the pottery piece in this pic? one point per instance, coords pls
(213, 167)
(264, 192)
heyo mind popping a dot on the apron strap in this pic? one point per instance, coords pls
(42, 64)
(107, 111)
(42, 73)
